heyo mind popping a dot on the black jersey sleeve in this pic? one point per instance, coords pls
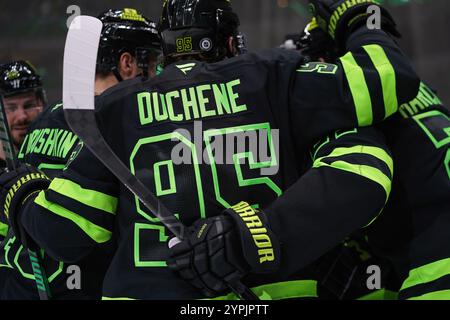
(364, 87)
(78, 209)
(346, 187)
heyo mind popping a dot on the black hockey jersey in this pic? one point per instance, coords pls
(414, 226)
(48, 146)
(204, 136)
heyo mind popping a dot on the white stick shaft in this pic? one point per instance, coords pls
(80, 57)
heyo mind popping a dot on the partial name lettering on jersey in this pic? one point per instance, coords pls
(50, 142)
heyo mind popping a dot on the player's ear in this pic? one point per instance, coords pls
(231, 46)
(127, 66)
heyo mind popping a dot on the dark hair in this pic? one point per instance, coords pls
(126, 31)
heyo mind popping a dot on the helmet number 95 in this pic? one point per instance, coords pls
(184, 44)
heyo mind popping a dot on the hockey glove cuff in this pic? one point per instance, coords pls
(341, 17)
(316, 44)
(16, 186)
(259, 244)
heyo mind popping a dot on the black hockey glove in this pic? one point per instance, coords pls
(16, 186)
(316, 44)
(340, 17)
(221, 250)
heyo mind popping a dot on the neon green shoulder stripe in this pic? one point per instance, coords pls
(358, 88)
(387, 77)
(95, 232)
(427, 273)
(91, 198)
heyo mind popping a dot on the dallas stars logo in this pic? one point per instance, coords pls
(13, 74)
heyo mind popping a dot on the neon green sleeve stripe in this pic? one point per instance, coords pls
(437, 295)
(373, 151)
(382, 294)
(359, 90)
(96, 233)
(387, 76)
(50, 166)
(3, 229)
(280, 290)
(272, 291)
(427, 273)
(362, 170)
(88, 197)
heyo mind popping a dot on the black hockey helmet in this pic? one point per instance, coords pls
(190, 27)
(126, 31)
(20, 77)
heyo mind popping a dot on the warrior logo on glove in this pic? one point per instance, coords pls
(18, 184)
(257, 231)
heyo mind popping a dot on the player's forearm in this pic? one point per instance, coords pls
(346, 188)
(64, 234)
(316, 214)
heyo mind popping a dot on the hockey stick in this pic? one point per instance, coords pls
(10, 157)
(80, 56)
(5, 137)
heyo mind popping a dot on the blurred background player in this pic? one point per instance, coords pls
(23, 96)
(24, 99)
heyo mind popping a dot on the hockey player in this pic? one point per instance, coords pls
(301, 212)
(129, 48)
(342, 272)
(412, 228)
(414, 224)
(24, 97)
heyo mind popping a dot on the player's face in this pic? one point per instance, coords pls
(21, 110)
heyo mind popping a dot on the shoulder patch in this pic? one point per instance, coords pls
(185, 68)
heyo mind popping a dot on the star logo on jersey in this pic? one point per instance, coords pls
(74, 154)
(185, 68)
